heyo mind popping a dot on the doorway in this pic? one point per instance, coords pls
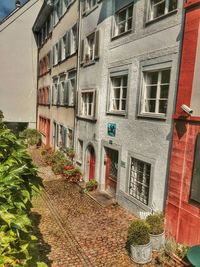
(90, 162)
(111, 170)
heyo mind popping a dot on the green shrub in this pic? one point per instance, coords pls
(138, 233)
(178, 249)
(156, 223)
(31, 136)
(91, 184)
(73, 175)
(18, 183)
(58, 166)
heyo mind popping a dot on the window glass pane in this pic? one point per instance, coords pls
(123, 105)
(124, 92)
(152, 78)
(151, 91)
(130, 11)
(122, 16)
(117, 93)
(162, 106)
(159, 10)
(129, 26)
(165, 76)
(150, 105)
(164, 91)
(116, 82)
(172, 5)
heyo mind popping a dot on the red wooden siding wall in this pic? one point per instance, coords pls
(183, 218)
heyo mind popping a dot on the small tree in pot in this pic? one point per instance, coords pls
(139, 242)
(156, 230)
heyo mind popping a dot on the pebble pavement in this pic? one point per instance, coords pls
(73, 229)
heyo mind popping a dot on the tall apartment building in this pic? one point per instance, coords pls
(18, 60)
(56, 31)
(127, 88)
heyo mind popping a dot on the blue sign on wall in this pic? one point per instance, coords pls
(111, 129)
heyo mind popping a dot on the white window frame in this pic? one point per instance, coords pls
(116, 24)
(166, 8)
(84, 108)
(72, 90)
(111, 93)
(62, 82)
(158, 90)
(63, 47)
(55, 53)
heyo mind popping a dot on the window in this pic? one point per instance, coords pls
(118, 93)
(72, 88)
(195, 185)
(73, 40)
(88, 4)
(69, 138)
(62, 89)
(55, 91)
(159, 8)
(123, 20)
(63, 47)
(139, 182)
(90, 48)
(155, 92)
(87, 104)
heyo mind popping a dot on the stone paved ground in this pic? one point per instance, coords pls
(74, 230)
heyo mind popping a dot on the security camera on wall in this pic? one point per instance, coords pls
(187, 110)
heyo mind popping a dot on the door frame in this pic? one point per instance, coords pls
(87, 164)
(104, 145)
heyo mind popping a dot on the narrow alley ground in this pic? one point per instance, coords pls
(73, 229)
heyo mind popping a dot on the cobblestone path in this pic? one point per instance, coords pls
(74, 230)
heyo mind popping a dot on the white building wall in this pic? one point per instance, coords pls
(18, 63)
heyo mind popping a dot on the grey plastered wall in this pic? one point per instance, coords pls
(148, 44)
(18, 60)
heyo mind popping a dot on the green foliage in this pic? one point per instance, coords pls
(31, 136)
(18, 182)
(91, 184)
(138, 233)
(178, 249)
(58, 166)
(73, 175)
(156, 223)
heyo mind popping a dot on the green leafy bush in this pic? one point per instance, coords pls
(58, 166)
(138, 233)
(178, 249)
(156, 223)
(18, 183)
(73, 175)
(91, 184)
(31, 136)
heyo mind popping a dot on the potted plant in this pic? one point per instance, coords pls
(156, 230)
(139, 242)
(91, 185)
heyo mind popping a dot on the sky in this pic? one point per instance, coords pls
(7, 6)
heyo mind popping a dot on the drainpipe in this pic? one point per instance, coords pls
(78, 72)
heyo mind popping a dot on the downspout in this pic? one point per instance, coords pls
(78, 73)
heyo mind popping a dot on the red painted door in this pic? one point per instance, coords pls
(111, 170)
(48, 133)
(91, 162)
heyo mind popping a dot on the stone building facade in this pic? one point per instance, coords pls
(129, 52)
(56, 31)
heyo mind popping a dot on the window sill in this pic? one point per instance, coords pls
(89, 63)
(79, 162)
(44, 105)
(137, 202)
(121, 35)
(87, 12)
(147, 23)
(116, 113)
(91, 119)
(45, 73)
(65, 59)
(152, 116)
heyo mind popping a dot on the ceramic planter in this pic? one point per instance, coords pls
(141, 254)
(158, 241)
